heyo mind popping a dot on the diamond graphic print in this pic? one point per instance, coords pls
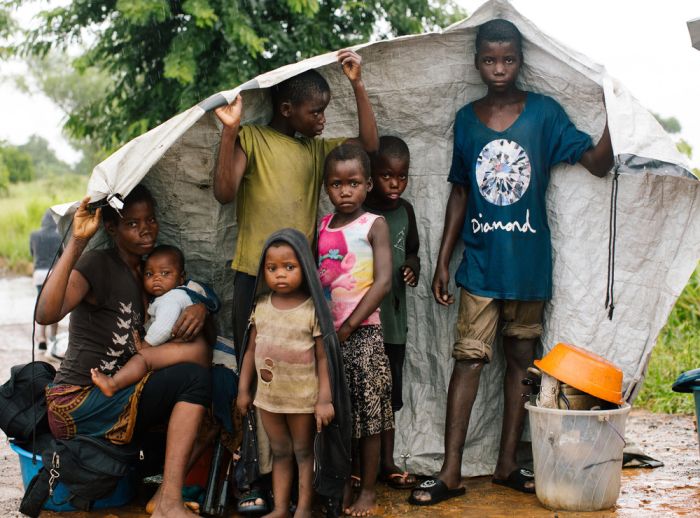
(503, 172)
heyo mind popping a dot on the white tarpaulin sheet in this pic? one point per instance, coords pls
(694, 30)
(416, 85)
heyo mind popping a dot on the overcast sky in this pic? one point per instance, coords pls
(644, 43)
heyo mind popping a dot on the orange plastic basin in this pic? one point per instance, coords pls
(583, 370)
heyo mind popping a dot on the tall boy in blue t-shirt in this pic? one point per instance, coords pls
(505, 145)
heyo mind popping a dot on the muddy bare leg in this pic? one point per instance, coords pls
(519, 356)
(173, 353)
(369, 457)
(461, 394)
(132, 372)
(182, 432)
(301, 427)
(280, 436)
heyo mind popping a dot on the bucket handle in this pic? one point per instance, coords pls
(606, 419)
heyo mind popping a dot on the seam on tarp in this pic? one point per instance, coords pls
(628, 163)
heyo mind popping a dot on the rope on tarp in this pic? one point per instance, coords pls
(612, 236)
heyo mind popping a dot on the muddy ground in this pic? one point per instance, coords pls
(673, 490)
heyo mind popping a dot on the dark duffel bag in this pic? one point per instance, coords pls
(23, 400)
(89, 467)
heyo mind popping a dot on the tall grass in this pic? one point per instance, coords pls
(677, 350)
(22, 210)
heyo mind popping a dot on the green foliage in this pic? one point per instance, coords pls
(163, 56)
(144, 12)
(7, 27)
(23, 209)
(670, 124)
(74, 86)
(4, 178)
(685, 148)
(673, 126)
(18, 163)
(34, 159)
(677, 350)
(44, 160)
(204, 15)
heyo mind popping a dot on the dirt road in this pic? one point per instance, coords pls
(673, 490)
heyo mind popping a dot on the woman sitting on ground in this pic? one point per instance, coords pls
(102, 290)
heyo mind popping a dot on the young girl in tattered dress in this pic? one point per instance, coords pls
(285, 374)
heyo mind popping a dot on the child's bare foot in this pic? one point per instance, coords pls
(151, 505)
(302, 513)
(278, 513)
(192, 506)
(104, 383)
(172, 509)
(364, 505)
(347, 495)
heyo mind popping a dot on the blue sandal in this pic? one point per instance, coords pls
(249, 497)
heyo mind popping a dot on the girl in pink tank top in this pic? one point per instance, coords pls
(355, 270)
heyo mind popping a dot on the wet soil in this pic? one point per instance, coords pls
(672, 490)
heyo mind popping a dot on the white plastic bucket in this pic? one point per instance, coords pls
(577, 456)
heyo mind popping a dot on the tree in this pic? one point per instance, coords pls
(44, 160)
(18, 163)
(4, 177)
(673, 126)
(684, 147)
(670, 124)
(7, 27)
(73, 87)
(163, 56)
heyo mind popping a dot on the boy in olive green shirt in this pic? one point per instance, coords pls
(274, 172)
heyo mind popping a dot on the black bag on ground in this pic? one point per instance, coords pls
(23, 400)
(248, 469)
(332, 465)
(89, 467)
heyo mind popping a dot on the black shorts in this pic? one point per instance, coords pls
(396, 354)
(186, 382)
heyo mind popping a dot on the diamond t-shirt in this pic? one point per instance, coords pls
(507, 241)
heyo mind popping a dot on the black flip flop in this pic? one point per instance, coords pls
(437, 490)
(517, 480)
(399, 480)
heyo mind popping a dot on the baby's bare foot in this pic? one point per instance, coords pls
(105, 383)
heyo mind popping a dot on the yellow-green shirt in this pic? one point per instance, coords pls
(280, 188)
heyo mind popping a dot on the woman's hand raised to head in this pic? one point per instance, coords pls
(85, 223)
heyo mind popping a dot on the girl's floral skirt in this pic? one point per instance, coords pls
(369, 379)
